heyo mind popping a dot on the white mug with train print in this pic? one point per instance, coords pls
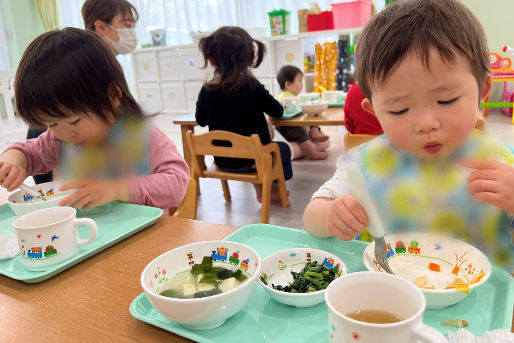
(50, 236)
(377, 292)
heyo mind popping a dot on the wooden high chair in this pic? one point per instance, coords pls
(187, 208)
(268, 164)
(353, 140)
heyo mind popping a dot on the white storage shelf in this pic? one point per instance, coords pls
(168, 79)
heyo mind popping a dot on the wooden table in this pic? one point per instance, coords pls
(90, 301)
(331, 117)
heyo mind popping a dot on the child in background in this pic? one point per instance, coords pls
(70, 82)
(290, 79)
(425, 89)
(356, 119)
(234, 100)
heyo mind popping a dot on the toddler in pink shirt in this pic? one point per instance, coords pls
(71, 83)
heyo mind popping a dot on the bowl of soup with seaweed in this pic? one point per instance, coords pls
(200, 285)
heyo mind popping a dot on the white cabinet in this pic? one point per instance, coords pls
(181, 65)
(149, 94)
(173, 96)
(264, 69)
(192, 90)
(146, 66)
(288, 52)
(168, 79)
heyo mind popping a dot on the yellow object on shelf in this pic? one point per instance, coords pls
(325, 66)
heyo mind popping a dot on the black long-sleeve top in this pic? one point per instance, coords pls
(239, 114)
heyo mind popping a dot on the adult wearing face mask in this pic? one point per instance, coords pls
(114, 22)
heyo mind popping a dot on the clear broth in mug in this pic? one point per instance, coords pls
(374, 316)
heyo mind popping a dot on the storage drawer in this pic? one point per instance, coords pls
(181, 65)
(146, 66)
(192, 90)
(149, 94)
(288, 52)
(173, 97)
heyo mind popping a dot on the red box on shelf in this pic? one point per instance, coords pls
(352, 13)
(322, 21)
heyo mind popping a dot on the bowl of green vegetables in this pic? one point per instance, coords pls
(299, 276)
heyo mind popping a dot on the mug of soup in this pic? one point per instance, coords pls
(376, 307)
(49, 236)
(292, 104)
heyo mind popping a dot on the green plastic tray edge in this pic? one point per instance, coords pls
(178, 329)
(288, 115)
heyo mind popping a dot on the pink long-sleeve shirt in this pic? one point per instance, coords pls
(164, 187)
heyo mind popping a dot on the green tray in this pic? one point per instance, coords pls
(336, 104)
(289, 115)
(263, 319)
(115, 221)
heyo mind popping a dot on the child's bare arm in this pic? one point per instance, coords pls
(13, 169)
(342, 217)
(492, 182)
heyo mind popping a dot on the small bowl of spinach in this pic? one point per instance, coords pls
(299, 276)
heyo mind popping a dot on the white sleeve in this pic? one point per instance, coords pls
(337, 185)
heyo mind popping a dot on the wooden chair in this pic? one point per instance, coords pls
(187, 208)
(353, 140)
(268, 164)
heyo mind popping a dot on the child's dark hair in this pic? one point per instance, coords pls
(418, 26)
(70, 71)
(105, 10)
(232, 51)
(287, 74)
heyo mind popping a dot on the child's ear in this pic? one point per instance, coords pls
(287, 85)
(366, 106)
(486, 87)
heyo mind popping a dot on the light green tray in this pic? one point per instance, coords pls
(289, 115)
(336, 104)
(263, 319)
(115, 221)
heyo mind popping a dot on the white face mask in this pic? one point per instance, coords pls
(127, 43)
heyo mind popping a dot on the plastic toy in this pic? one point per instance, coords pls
(502, 72)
